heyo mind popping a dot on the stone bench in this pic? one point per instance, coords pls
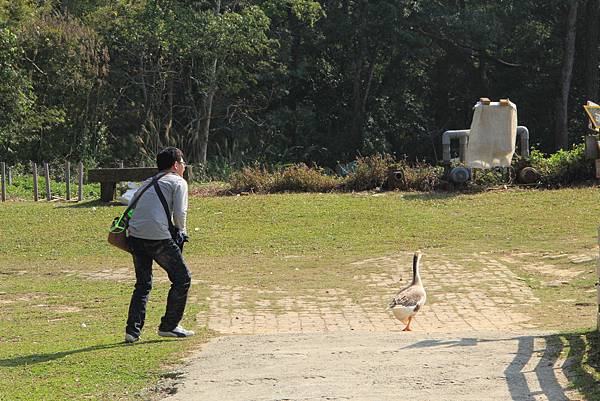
(109, 177)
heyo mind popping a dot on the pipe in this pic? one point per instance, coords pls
(462, 136)
(523, 132)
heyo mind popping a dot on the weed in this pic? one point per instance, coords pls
(371, 172)
(301, 178)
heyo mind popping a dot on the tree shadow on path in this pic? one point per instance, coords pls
(582, 364)
(519, 379)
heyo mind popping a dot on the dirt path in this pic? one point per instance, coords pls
(376, 366)
(472, 342)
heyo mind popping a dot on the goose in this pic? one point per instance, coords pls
(410, 299)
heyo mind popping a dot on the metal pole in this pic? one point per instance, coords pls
(36, 195)
(47, 177)
(68, 180)
(463, 141)
(3, 169)
(80, 178)
(9, 176)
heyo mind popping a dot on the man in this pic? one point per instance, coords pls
(151, 240)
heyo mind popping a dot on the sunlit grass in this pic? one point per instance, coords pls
(290, 242)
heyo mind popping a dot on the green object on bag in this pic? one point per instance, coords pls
(117, 233)
(121, 223)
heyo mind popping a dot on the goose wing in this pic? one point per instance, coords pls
(412, 296)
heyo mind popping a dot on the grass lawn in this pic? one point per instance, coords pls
(63, 299)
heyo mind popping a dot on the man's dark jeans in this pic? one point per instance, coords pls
(168, 255)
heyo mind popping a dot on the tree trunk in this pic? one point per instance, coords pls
(561, 133)
(208, 103)
(359, 92)
(591, 49)
(169, 122)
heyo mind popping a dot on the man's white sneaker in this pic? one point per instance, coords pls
(178, 331)
(130, 338)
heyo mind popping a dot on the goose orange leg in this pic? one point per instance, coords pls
(407, 328)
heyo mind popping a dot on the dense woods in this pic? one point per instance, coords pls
(284, 81)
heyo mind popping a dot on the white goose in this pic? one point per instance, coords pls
(410, 299)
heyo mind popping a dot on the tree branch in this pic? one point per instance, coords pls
(480, 53)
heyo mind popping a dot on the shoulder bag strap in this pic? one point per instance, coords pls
(165, 205)
(140, 193)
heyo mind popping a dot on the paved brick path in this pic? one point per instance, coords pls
(472, 338)
(487, 298)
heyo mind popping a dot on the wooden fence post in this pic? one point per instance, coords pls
(36, 195)
(3, 172)
(80, 179)
(47, 177)
(9, 176)
(68, 180)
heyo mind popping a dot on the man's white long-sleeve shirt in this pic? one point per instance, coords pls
(149, 220)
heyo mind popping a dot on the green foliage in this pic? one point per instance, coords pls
(287, 81)
(304, 10)
(16, 98)
(67, 62)
(565, 167)
(489, 178)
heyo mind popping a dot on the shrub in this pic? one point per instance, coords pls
(251, 179)
(371, 172)
(489, 178)
(423, 177)
(563, 167)
(367, 173)
(301, 178)
(294, 178)
(419, 177)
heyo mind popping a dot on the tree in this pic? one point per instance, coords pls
(180, 64)
(561, 133)
(67, 63)
(592, 51)
(16, 98)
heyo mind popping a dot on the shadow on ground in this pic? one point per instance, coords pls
(50, 356)
(86, 204)
(582, 365)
